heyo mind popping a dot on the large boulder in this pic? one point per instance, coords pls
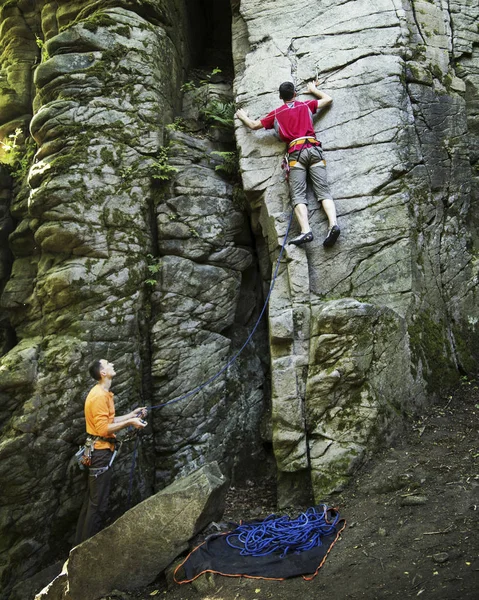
(132, 551)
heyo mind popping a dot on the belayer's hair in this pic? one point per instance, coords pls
(94, 370)
(287, 91)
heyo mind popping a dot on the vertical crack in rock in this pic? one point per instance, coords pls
(206, 301)
(416, 22)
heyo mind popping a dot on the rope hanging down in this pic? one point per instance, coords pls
(232, 360)
(282, 534)
(223, 369)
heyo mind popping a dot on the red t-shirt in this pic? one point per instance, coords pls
(292, 120)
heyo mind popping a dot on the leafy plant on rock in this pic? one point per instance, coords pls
(219, 114)
(229, 165)
(161, 170)
(44, 52)
(154, 267)
(18, 156)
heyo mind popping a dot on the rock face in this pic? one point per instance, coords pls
(201, 308)
(129, 240)
(170, 519)
(401, 147)
(110, 260)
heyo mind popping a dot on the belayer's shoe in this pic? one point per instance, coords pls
(304, 238)
(332, 236)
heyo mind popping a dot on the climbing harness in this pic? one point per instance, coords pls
(83, 455)
(287, 163)
(96, 471)
(283, 534)
(304, 140)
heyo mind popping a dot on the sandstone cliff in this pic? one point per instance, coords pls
(125, 240)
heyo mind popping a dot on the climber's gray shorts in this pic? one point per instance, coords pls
(311, 160)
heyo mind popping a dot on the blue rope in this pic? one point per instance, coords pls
(132, 469)
(282, 534)
(228, 364)
(232, 360)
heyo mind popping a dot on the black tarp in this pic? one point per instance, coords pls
(217, 556)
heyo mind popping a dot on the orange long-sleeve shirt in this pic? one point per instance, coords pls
(99, 412)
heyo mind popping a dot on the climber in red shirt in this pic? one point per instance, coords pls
(293, 123)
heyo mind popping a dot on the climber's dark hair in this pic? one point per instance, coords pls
(287, 91)
(94, 370)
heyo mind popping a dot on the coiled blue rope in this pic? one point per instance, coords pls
(283, 534)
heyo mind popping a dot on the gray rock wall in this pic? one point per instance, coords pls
(109, 261)
(202, 311)
(76, 288)
(358, 335)
(401, 148)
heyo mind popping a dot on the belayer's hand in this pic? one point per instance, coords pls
(139, 413)
(138, 423)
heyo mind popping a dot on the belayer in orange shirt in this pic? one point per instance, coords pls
(293, 123)
(101, 425)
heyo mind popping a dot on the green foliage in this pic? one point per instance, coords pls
(154, 267)
(188, 86)
(191, 85)
(229, 165)
(193, 232)
(177, 125)
(19, 156)
(44, 51)
(10, 144)
(214, 112)
(161, 170)
(219, 114)
(126, 173)
(24, 160)
(215, 71)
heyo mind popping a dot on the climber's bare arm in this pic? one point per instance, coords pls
(323, 99)
(252, 124)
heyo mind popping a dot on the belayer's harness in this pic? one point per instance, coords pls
(83, 456)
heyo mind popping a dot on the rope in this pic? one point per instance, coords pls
(132, 469)
(233, 359)
(222, 370)
(282, 534)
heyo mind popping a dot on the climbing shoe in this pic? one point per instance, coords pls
(332, 236)
(304, 238)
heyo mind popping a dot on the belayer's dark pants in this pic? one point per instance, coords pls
(95, 504)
